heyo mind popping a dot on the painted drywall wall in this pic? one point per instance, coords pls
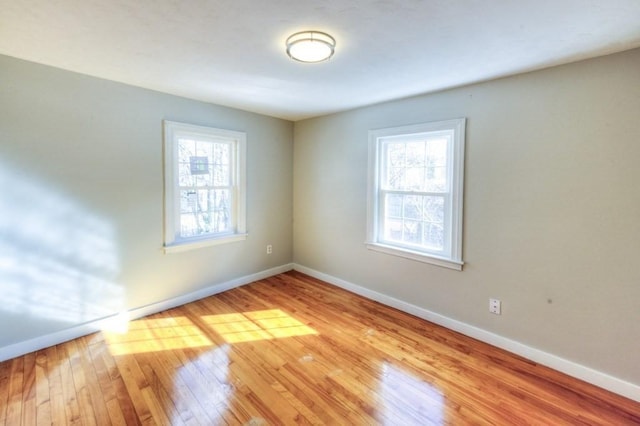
(551, 209)
(81, 200)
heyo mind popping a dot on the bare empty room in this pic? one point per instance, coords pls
(348, 212)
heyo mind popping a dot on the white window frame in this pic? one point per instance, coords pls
(451, 257)
(173, 131)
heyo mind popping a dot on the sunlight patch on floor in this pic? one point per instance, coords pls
(257, 325)
(160, 334)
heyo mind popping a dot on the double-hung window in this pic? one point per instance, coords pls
(204, 186)
(416, 192)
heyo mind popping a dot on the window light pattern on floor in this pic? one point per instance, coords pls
(152, 335)
(257, 325)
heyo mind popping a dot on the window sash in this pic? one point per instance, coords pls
(209, 215)
(384, 221)
(386, 158)
(183, 232)
(385, 188)
(226, 167)
(448, 250)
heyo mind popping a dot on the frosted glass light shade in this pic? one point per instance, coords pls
(310, 46)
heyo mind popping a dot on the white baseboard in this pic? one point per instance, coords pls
(589, 375)
(27, 346)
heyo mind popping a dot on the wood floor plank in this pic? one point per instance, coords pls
(97, 393)
(291, 349)
(125, 404)
(278, 359)
(29, 390)
(5, 377)
(133, 382)
(16, 389)
(54, 378)
(107, 389)
(43, 389)
(88, 414)
(71, 398)
(164, 370)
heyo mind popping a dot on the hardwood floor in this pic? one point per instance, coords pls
(292, 350)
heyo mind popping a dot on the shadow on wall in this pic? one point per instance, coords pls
(58, 262)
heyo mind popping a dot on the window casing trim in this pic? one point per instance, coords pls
(415, 255)
(173, 242)
(451, 256)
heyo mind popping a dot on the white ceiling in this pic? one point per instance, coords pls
(231, 52)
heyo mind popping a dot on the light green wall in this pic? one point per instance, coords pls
(81, 178)
(551, 218)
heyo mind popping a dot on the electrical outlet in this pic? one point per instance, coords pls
(269, 249)
(495, 306)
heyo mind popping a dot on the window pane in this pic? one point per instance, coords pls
(414, 220)
(393, 230)
(186, 149)
(413, 207)
(436, 179)
(434, 210)
(221, 164)
(395, 178)
(393, 205)
(415, 154)
(204, 179)
(194, 215)
(188, 225)
(395, 154)
(204, 164)
(188, 201)
(414, 179)
(204, 149)
(437, 152)
(434, 236)
(194, 163)
(195, 172)
(222, 153)
(204, 212)
(436, 173)
(221, 175)
(221, 209)
(412, 232)
(184, 175)
(416, 165)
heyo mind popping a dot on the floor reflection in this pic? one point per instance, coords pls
(207, 377)
(408, 400)
(196, 358)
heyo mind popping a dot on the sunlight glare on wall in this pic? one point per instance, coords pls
(58, 261)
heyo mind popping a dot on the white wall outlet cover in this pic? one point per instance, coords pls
(495, 306)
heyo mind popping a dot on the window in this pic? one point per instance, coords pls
(204, 186)
(415, 192)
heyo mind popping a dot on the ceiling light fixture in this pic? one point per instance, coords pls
(310, 46)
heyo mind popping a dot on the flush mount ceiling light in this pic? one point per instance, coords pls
(310, 46)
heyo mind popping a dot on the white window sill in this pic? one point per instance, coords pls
(417, 256)
(181, 246)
